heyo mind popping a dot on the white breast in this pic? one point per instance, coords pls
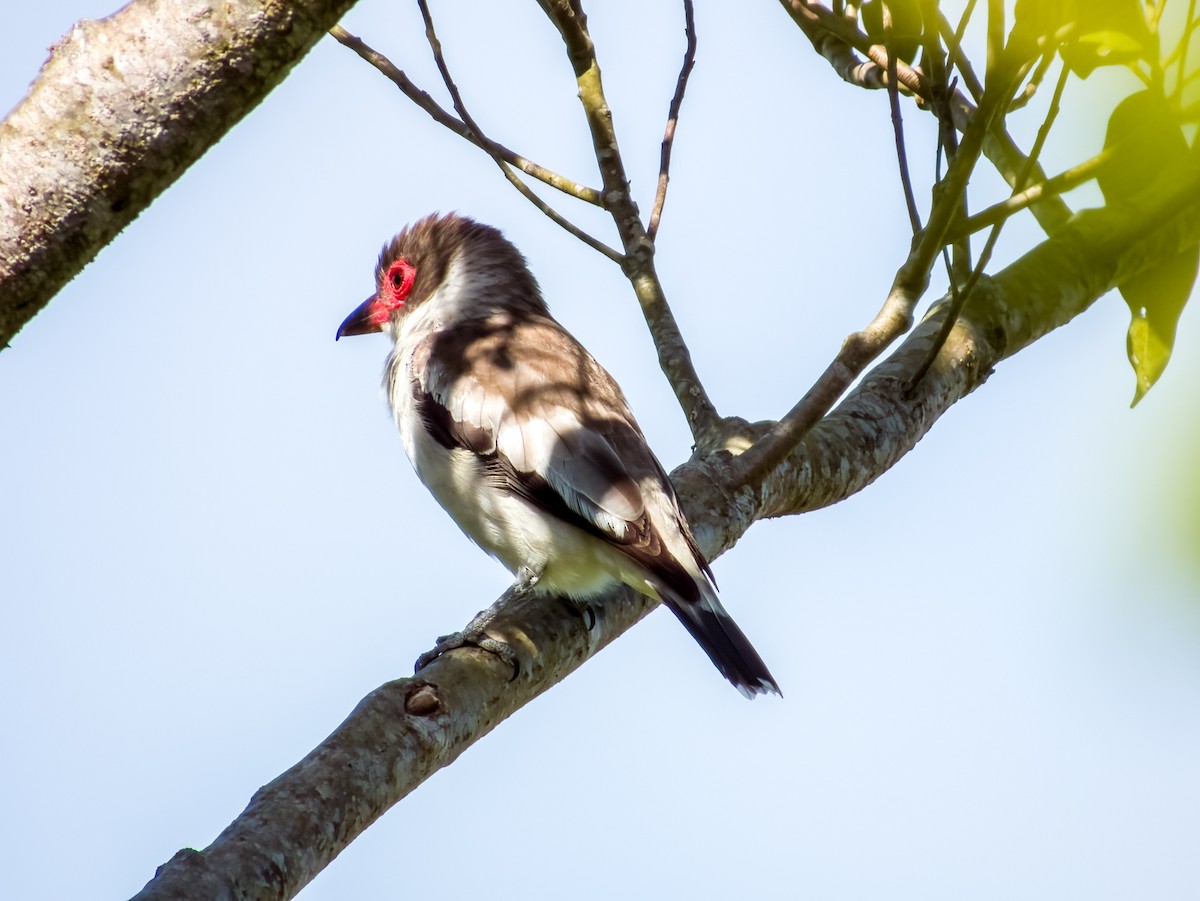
(506, 525)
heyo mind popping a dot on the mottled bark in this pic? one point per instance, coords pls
(122, 107)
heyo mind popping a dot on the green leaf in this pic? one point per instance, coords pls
(1102, 48)
(1148, 143)
(1145, 139)
(1156, 299)
(1106, 32)
(1042, 17)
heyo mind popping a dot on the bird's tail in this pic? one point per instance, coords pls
(724, 642)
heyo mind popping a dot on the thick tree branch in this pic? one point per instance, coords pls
(880, 420)
(120, 110)
(408, 729)
(895, 317)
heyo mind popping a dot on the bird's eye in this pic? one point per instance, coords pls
(400, 277)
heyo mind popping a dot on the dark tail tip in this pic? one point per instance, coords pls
(726, 645)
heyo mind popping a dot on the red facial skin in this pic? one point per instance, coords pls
(392, 293)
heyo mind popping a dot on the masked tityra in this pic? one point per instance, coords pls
(526, 441)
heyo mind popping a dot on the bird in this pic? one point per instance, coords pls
(526, 441)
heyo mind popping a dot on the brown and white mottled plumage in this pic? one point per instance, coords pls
(526, 441)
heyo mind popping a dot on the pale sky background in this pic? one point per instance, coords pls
(213, 547)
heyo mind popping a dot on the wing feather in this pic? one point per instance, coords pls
(552, 426)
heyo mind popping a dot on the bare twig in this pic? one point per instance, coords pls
(1035, 81)
(958, 60)
(1059, 184)
(995, 40)
(664, 166)
(941, 89)
(837, 40)
(673, 356)
(896, 315)
(960, 295)
(1180, 49)
(954, 55)
(914, 216)
(1184, 40)
(439, 115)
(481, 140)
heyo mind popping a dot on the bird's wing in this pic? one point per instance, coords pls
(547, 419)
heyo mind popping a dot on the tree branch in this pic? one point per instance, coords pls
(910, 200)
(668, 141)
(673, 355)
(837, 41)
(439, 115)
(895, 317)
(1059, 184)
(1046, 288)
(81, 157)
(479, 138)
(408, 729)
(960, 294)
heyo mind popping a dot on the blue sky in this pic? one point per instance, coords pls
(213, 545)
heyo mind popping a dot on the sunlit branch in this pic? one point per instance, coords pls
(1035, 81)
(893, 319)
(1059, 184)
(960, 294)
(1182, 47)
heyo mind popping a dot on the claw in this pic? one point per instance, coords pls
(583, 611)
(475, 638)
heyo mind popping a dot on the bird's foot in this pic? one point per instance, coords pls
(475, 635)
(471, 636)
(582, 610)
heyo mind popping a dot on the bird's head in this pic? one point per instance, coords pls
(432, 253)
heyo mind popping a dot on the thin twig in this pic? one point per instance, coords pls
(523, 189)
(1183, 46)
(995, 41)
(1188, 29)
(896, 315)
(1059, 184)
(664, 165)
(910, 201)
(673, 356)
(960, 296)
(439, 115)
(1035, 80)
(954, 38)
(942, 86)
